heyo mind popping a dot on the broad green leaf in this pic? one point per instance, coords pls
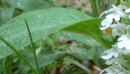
(6, 14)
(81, 38)
(45, 60)
(28, 5)
(1, 4)
(91, 29)
(79, 53)
(82, 54)
(118, 2)
(41, 24)
(97, 59)
(127, 65)
(128, 29)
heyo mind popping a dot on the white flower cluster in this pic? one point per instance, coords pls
(114, 56)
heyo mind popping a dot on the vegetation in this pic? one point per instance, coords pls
(53, 36)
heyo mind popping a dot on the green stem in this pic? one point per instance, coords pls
(103, 6)
(117, 2)
(19, 55)
(93, 7)
(8, 65)
(33, 48)
(97, 4)
(128, 3)
(79, 65)
(100, 39)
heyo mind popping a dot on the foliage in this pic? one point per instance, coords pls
(60, 36)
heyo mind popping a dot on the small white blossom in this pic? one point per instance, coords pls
(108, 70)
(115, 14)
(121, 28)
(114, 56)
(106, 23)
(115, 69)
(124, 41)
(110, 53)
(127, 52)
(115, 33)
(128, 11)
(118, 60)
(116, 9)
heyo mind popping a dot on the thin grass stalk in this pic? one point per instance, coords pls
(79, 65)
(98, 8)
(93, 7)
(128, 3)
(33, 47)
(19, 55)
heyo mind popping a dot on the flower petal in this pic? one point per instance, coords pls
(109, 53)
(127, 44)
(113, 16)
(118, 60)
(129, 16)
(127, 10)
(124, 41)
(106, 23)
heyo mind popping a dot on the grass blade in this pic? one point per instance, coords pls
(33, 47)
(19, 55)
(79, 65)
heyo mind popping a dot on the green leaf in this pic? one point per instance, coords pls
(28, 5)
(127, 65)
(41, 24)
(91, 29)
(45, 60)
(128, 29)
(97, 59)
(81, 38)
(118, 2)
(79, 53)
(82, 54)
(6, 15)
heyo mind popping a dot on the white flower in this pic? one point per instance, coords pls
(110, 53)
(114, 56)
(118, 29)
(108, 70)
(121, 28)
(128, 11)
(118, 10)
(124, 41)
(115, 33)
(115, 14)
(106, 23)
(126, 52)
(118, 60)
(115, 69)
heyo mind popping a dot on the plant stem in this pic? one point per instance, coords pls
(33, 48)
(128, 3)
(117, 2)
(79, 65)
(97, 4)
(19, 55)
(110, 2)
(95, 7)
